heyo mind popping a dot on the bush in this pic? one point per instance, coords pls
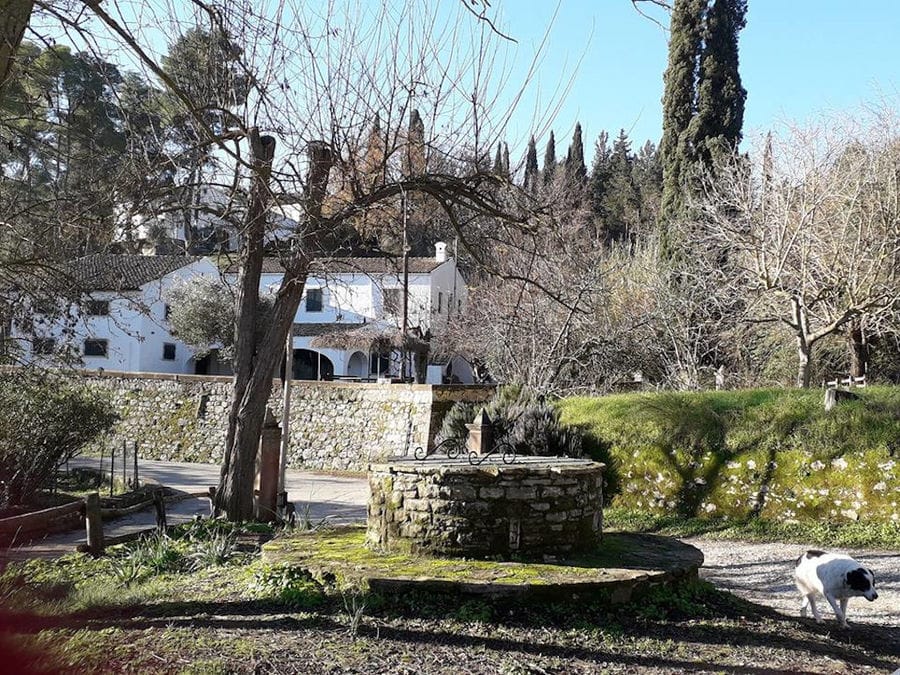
(525, 421)
(289, 585)
(46, 420)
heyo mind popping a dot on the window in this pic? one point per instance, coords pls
(393, 301)
(168, 351)
(440, 302)
(167, 312)
(314, 300)
(98, 307)
(95, 347)
(43, 345)
(459, 306)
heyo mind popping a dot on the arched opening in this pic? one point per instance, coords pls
(310, 365)
(357, 366)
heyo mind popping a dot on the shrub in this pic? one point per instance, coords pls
(46, 420)
(522, 419)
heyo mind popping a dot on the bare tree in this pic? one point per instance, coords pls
(813, 228)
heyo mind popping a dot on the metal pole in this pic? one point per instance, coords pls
(135, 454)
(124, 463)
(405, 327)
(286, 409)
(112, 469)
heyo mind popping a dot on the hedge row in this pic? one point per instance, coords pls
(773, 453)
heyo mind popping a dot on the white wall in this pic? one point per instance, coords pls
(135, 329)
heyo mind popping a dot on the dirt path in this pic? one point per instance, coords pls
(763, 573)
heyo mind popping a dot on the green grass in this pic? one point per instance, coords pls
(768, 453)
(841, 535)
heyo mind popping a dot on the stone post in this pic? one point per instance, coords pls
(481, 436)
(268, 470)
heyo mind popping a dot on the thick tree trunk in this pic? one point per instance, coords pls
(859, 349)
(257, 358)
(244, 420)
(13, 21)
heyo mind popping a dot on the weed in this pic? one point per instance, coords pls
(355, 603)
(288, 584)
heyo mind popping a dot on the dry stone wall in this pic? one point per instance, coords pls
(539, 506)
(334, 425)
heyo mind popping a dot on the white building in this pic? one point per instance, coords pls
(350, 318)
(348, 324)
(118, 320)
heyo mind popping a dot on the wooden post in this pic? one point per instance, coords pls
(112, 469)
(124, 463)
(159, 504)
(93, 523)
(134, 448)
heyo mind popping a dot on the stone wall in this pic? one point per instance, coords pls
(334, 425)
(545, 506)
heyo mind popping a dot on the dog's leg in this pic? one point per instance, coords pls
(837, 611)
(804, 605)
(815, 610)
(844, 609)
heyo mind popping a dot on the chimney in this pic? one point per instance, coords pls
(440, 252)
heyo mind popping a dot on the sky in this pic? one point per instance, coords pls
(798, 59)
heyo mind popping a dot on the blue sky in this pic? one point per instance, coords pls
(799, 58)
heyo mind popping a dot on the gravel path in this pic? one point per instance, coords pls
(764, 574)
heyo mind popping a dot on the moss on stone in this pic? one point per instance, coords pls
(622, 560)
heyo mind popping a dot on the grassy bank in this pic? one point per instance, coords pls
(769, 455)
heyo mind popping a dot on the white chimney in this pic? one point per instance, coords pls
(440, 252)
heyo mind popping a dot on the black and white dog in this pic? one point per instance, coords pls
(836, 576)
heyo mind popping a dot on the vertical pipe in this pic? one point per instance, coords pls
(286, 410)
(134, 449)
(405, 327)
(112, 469)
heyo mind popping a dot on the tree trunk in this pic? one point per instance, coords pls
(246, 414)
(859, 349)
(256, 358)
(14, 21)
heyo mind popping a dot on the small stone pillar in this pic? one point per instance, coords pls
(267, 467)
(481, 434)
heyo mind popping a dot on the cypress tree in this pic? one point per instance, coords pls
(575, 168)
(550, 159)
(498, 160)
(531, 166)
(506, 159)
(716, 128)
(680, 92)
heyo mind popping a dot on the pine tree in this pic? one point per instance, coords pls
(531, 166)
(576, 171)
(550, 160)
(680, 91)
(716, 128)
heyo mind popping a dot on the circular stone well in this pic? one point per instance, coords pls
(538, 506)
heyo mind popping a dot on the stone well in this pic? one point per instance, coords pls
(538, 506)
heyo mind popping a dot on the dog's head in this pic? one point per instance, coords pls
(862, 581)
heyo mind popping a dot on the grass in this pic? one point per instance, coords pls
(858, 534)
(772, 453)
